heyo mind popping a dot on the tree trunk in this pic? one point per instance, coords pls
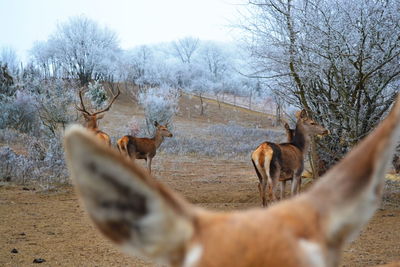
(201, 105)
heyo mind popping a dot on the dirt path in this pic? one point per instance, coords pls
(52, 225)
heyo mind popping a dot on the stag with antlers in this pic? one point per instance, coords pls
(91, 118)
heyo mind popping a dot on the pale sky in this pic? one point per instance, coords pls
(135, 21)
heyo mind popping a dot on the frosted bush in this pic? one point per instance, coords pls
(134, 128)
(36, 149)
(54, 165)
(160, 104)
(14, 167)
(20, 112)
(56, 108)
(9, 136)
(44, 162)
(97, 94)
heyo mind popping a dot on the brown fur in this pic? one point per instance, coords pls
(307, 230)
(286, 162)
(143, 148)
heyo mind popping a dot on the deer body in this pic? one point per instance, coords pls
(143, 148)
(285, 161)
(147, 219)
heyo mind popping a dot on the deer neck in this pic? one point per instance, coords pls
(92, 125)
(301, 139)
(158, 139)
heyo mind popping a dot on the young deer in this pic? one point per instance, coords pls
(143, 148)
(284, 161)
(147, 219)
(91, 118)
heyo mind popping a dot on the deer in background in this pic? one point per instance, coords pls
(289, 132)
(91, 118)
(147, 219)
(280, 162)
(143, 148)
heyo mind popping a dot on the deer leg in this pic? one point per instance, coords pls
(272, 188)
(299, 185)
(262, 193)
(283, 185)
(295, 184)
(263, 189)
(273, 177)
(148, 160)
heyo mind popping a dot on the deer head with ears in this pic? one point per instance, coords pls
(162, 129)
(309, 124)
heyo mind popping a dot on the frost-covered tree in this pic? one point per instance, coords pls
(185, 48)
(338, 59)
(43, 57)
(82, 48)
(214, 59)
(9, 58)
(141, 63)
(200, 85)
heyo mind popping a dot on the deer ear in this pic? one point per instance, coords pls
(287, 126)
(303, 114)
(124, 202)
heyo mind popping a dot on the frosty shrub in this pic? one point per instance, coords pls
(10, 136)
(160, 104)
(54, 167)
(97, 94)
(19, 112)
(43, 163)
(55, 107)
(391, 192)
(225, 141)
(36, 149)
(14, 167)
(134, 128)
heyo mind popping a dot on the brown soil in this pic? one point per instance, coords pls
(52, 225)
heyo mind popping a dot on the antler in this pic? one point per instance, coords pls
(82, 108)
(109, 105)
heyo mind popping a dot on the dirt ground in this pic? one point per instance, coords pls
(51, 225)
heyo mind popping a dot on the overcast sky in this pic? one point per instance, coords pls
(135, 21)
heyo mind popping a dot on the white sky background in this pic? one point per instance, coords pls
(135, 21)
